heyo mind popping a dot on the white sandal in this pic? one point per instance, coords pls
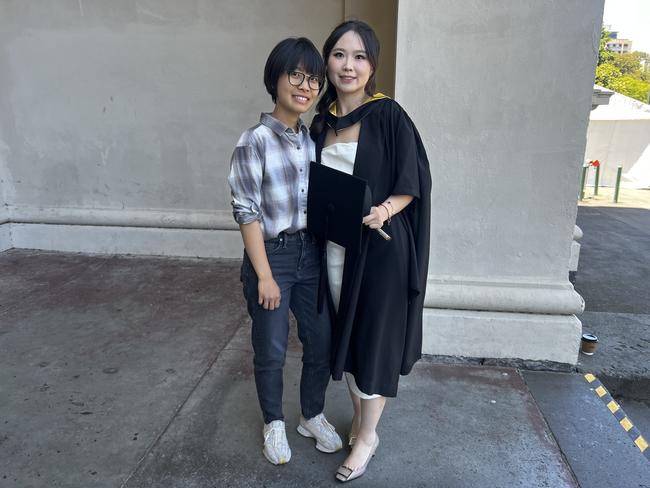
(344, 473)
(351, 439)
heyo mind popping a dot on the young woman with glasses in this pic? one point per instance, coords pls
(268, 178)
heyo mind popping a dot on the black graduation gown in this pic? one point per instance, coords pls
(377, 333)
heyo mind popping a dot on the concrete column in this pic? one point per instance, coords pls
(574, 259)
(504, 117)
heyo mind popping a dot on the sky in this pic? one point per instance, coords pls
(631, 18)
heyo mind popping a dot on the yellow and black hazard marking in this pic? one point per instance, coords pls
(617, 411)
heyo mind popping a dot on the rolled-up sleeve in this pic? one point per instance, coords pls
(245, 180)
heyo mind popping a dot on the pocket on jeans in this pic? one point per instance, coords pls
(273, 246)
(249, 283)
(242, 270)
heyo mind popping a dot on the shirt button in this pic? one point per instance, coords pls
(302, 190)
(301, 170)
(297, 147)
(304, 211)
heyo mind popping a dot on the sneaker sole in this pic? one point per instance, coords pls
(305, 433)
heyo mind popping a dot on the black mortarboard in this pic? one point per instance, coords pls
(336, 205)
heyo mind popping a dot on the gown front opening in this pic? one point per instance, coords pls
(340, 156)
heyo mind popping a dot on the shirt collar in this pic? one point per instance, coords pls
(279, 127)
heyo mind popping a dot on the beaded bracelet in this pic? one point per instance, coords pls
(387, 213)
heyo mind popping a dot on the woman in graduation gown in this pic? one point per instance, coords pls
(376, 294)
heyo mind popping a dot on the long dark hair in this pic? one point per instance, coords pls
(371, 45)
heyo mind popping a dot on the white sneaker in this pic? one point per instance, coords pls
(327, 440)
(276, 447)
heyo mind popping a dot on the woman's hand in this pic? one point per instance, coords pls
(376, 218)
(268, 293)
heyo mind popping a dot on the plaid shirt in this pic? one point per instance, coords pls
(269, 175)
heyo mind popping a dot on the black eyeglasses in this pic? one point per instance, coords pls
(296, 78)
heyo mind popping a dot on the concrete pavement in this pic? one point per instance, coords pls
(137, 372)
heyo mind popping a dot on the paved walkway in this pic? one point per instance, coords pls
(613, 279)
(137, 372)
(627, 198)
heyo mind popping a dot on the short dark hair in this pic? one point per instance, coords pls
(288, 55)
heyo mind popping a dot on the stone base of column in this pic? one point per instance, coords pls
(152, 241)
(5, 237)
(470, 333)
(575, 254)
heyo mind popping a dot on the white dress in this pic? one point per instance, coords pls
(340, 156)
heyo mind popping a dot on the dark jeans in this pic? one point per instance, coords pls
(295, 264)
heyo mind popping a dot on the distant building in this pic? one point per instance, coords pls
(617, 45)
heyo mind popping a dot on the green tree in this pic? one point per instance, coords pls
(604, 56)
(631, 87)
(645, 71)
(645, 76)
(628, 63)
(606, 74)
(622, 72)
(643, 56)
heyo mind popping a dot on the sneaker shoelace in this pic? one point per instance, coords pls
(322, 421)
(274, 433)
